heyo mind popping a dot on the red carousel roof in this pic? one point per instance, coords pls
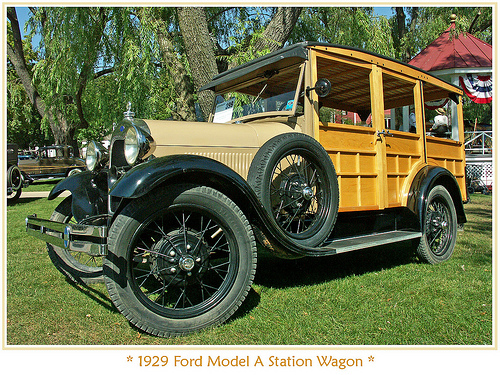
(464, 51)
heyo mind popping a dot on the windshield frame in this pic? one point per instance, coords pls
(288, 113)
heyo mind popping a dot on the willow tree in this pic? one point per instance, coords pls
(350, 26)
(201, 50)
(56, 83)
(94, 59)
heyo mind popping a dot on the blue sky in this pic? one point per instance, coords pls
(23, 14)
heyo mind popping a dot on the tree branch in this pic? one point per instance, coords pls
(219, 13)
(103, 72)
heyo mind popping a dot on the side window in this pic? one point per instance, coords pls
(399, 104)
(349, 101)
(338, 116)
(441, 119)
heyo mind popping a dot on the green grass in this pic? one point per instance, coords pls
(380, 296)
(42, 185)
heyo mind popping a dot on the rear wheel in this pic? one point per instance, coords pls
(440, 227)
(77, 266)
(180, 260)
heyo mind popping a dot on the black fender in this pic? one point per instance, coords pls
(428, 177)
(199, 170)
(88, 191)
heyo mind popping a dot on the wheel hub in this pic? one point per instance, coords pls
(296, 194)
(438, 223)
(178, 257)
(307, 193)
(186, 263)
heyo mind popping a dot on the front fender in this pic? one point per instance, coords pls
(88, 192)
(147, 176)
(424, 181)
(192, 169)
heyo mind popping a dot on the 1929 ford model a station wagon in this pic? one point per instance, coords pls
(302, 143)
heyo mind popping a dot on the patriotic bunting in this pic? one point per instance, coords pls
(435, 104)
(478, 88)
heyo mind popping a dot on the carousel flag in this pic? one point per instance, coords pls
(478, 88)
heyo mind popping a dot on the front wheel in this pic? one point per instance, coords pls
(440, 227)
(77, 266)
(180, 259)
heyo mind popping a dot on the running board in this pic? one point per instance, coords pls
(372, 240)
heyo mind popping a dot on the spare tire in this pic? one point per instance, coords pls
(295, 179)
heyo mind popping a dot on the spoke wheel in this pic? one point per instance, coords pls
(189, 262)
(297, 191)
(440, 227)
(77, 266)
(296, 182)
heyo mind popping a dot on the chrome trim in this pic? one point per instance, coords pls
(89, 239)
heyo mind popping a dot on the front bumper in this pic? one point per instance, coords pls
(88, 239)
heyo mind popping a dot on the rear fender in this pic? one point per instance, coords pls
(88, 191)
(424, 181)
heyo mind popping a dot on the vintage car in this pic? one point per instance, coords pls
(16, 179)
(309, 151)
(52, 161)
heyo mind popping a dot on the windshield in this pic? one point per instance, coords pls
(274, 92)
(244, 105)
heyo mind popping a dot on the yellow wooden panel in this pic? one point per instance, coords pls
(357, 193)
(366, 163)
(442, 148)
(394, 189)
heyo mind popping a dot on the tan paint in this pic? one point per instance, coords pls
(232, 144)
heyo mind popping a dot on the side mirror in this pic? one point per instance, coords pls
(323, 87)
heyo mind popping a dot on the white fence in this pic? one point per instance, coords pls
(479, 156)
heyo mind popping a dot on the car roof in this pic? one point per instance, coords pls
(296, 54)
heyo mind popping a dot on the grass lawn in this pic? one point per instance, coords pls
(42, 185)
(382, 296)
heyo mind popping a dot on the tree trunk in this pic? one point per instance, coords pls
(184, 103)
(63, 132)
(15, 54)
(278, 30)
(199, 51)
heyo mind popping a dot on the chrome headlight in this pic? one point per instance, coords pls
(97, 155)
(138, 145)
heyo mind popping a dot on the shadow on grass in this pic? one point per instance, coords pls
(97, 296)
(22, 201)
(280, 273)
(46, 181)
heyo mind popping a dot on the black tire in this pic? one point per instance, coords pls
(14, 177)
(13, 196)
(440, 227)
(78, 267)
(180, 260)
(295, 179)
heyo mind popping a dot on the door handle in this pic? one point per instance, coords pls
(384, 133)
